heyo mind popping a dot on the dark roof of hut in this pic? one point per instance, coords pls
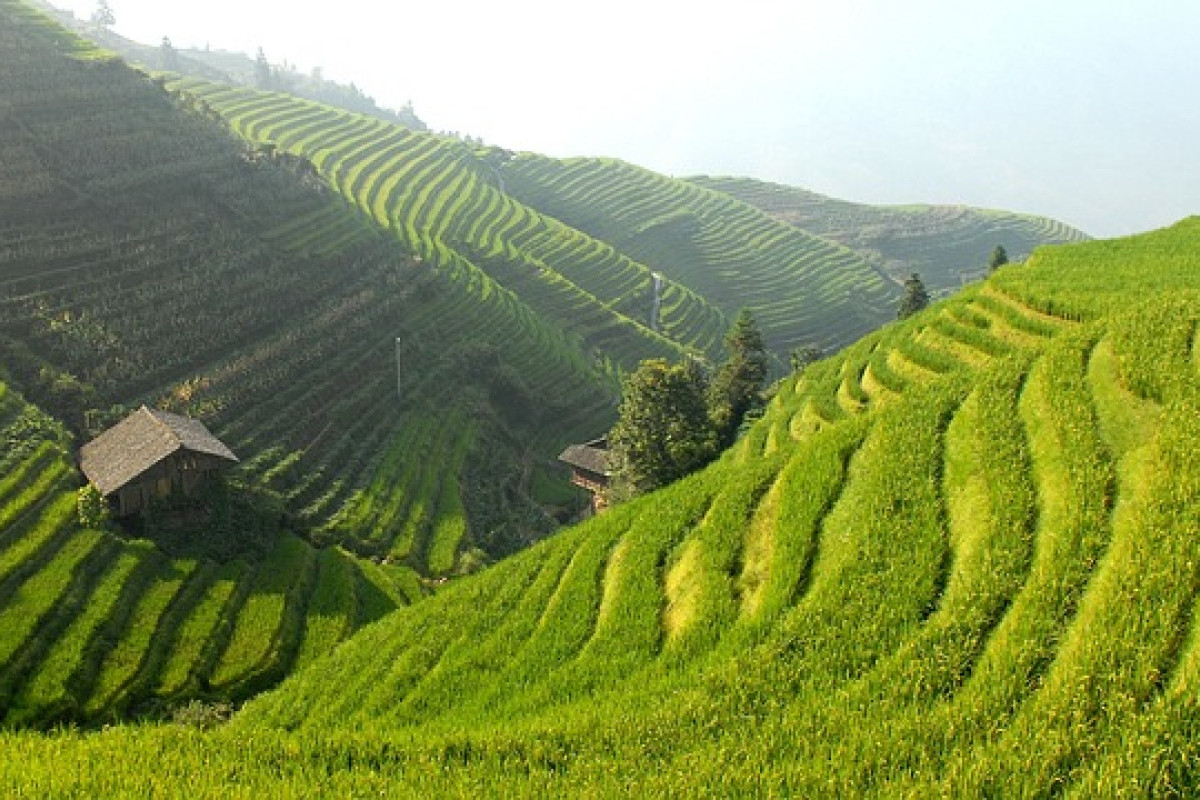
(141, 440)
(591, 456)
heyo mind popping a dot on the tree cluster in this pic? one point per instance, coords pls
(674, 419)
(916, 297)
(999, 258)
(103, 16)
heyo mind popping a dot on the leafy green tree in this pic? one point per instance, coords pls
(93, 510)
(663, 431)
(738, 384)
(999, 258)
(915, 297)
(103, 16)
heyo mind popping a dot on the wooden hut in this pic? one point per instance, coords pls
(150, 454)
(590, 469)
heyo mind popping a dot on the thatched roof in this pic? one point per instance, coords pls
(591, 456)
(141, 440)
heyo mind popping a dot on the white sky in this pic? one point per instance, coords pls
(1084, 110)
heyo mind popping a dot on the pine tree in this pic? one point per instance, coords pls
(169, 55)
(663, 431)
(999, 258)
(263, 75)
(737, 386)
(915, 297)
(801, 357)
(103, 15)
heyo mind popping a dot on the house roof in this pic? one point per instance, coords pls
(141, 440)
(591, 456)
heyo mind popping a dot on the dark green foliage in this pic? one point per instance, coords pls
(801, 357)
(736, 389)
(999, 258)
(663, 431)
(915, 297)
(223, 521)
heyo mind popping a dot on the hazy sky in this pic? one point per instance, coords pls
(1084, 110)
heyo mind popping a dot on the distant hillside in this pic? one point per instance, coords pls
(803, 289)
(955, 559)
(947, 245)
(224, 65)
(443, 201)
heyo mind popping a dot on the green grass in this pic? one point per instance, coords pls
(330, 616)
(195, 631)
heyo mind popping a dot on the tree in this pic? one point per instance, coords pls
(915, 297)
(999, 258)
(801, 357)
(262, 71)
(737, 386)
(103, 15)
(663, 431)
(169, 55)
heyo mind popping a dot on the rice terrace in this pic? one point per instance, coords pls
(289, 383)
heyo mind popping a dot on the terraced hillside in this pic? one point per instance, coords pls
(804, 290)
(147, 257)
(444, 201)
(93, 627)
(618, 255)
(947, 245)
(956, 559)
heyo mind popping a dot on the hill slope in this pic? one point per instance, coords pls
(959, 558)
(802, 289)
(146, 257)
(94, 626)
(946, 245)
